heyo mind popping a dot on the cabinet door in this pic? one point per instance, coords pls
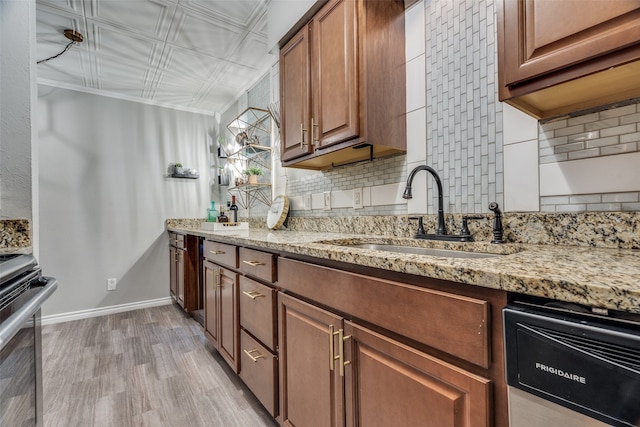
(180, 276)
(295, 97)
(211, 301)
(311, 388)
(388, 383)
(542, 36)
(229, 326)
(335, 77)
(173, 278)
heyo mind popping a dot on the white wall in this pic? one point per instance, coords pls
(17, 117)
(104, 196)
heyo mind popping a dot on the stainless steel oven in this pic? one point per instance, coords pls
(23, 290)
(569, 366)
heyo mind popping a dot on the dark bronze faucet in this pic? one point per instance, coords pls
(442, 229)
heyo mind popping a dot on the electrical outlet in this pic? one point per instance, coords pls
(358, 203)
(111, 284)
(327, 200)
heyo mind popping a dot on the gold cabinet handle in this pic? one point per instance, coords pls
(217, 252)
(314, 141)
(217, 277)
(253, 294)
(302, 131)
(340, 357)
(251, 356)
(253, 263)
(332, 357)
(341, 339)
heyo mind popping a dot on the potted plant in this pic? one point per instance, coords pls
(178, 169)
(253, 173)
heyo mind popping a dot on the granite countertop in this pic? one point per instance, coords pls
(606, 278)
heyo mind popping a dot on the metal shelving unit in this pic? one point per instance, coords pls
(252, 148)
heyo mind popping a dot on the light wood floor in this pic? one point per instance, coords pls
(150, 367)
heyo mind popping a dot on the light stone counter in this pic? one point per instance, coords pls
(598, 277)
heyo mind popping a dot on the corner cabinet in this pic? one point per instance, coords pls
(550, 65)
(342, 85)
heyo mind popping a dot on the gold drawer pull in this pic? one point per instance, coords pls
(253, 294)
(253, 263)
(217, 252)
(251, 356)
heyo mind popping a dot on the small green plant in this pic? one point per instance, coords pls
(177, 165)
(253, 171)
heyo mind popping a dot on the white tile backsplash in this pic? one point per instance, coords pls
(417, 136)
(416, 83)
(390, 194)
(414, 31)
(521, 190)
(608, 174)
(518, 126)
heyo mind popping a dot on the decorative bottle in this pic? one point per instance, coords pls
(234, 208)
(212, 213)
(222, 217)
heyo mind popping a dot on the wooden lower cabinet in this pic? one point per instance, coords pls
(334, 372)
(311, 388)
(390, 384)
(184, 267)
(221, 311)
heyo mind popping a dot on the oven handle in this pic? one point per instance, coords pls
(14, 323)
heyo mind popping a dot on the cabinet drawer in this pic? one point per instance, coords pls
(258, 264)
(451, 323)
(258, 371)
(257, 310)
(221, 253)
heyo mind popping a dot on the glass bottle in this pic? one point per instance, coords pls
(222, 217)
(234, 208)
(212, 213)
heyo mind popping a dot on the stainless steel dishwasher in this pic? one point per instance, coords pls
(568, 365)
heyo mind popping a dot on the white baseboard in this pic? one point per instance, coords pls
(102, 311)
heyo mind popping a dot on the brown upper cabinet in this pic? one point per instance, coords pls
(342, 85)
(564, 56)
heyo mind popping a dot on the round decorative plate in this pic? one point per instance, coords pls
(278, 212)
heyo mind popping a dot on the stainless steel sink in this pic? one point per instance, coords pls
(421, 251)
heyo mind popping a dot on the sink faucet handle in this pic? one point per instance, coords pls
(464, 230)
(420, 224)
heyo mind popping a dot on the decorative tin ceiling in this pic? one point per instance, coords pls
(194, 55)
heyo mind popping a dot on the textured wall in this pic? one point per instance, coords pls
(17, 107)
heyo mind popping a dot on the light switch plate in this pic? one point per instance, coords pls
(327, 200)
(358, 203)
(307, 202)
